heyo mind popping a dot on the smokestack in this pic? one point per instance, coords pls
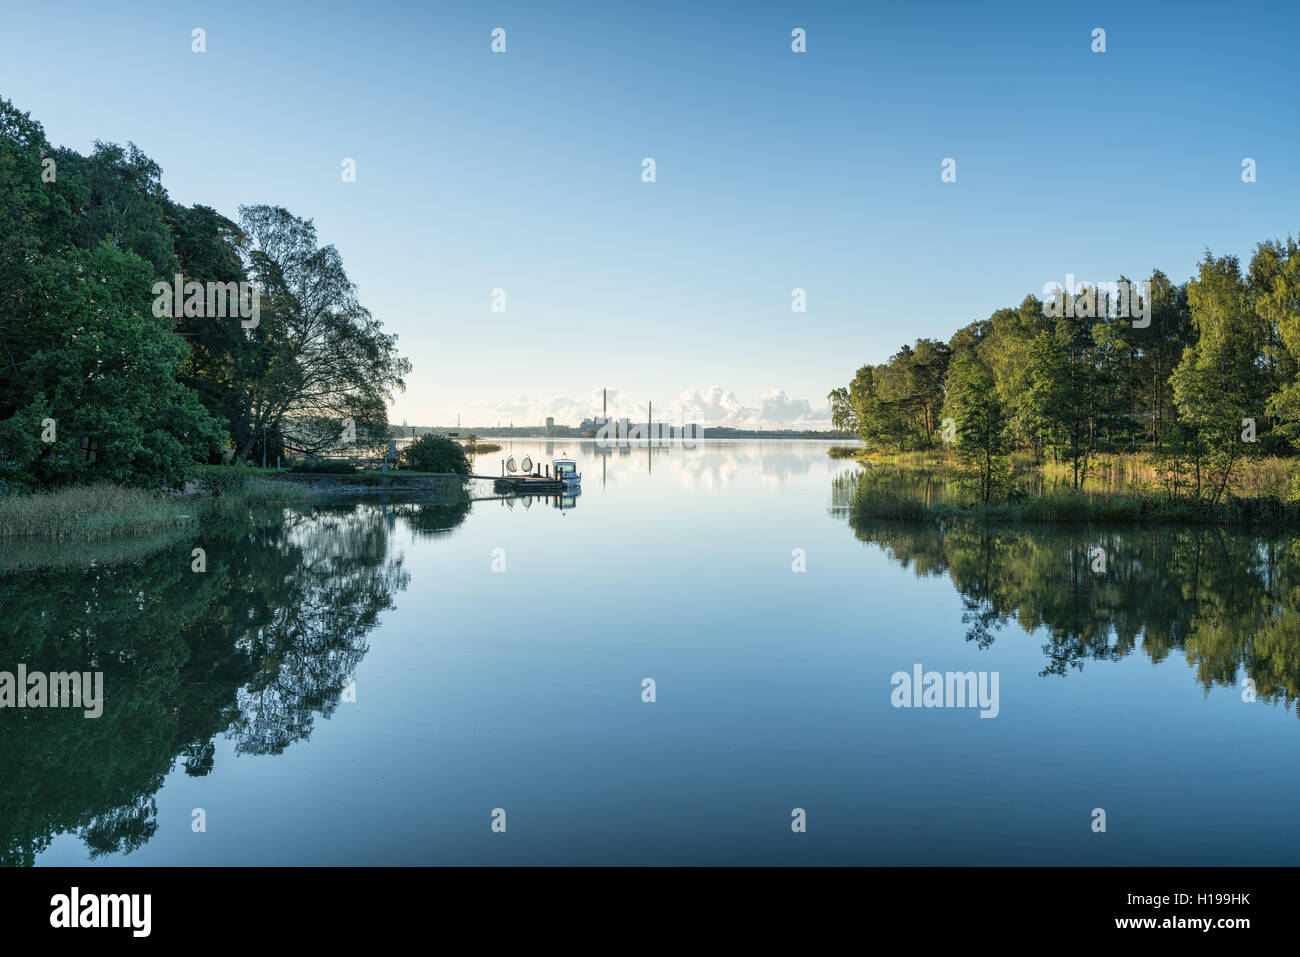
(604, 402)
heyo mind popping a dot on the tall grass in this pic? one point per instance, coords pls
(932, 458)
(1266, 476)
(102, 511)
(87, 511)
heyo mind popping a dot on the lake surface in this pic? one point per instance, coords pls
(367, 683)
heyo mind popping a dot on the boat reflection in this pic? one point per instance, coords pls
(564, 501)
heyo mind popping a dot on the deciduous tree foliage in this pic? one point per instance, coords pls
(318, 356)
(135, 397)
(1222, 348)
(88, 387)
(895, 406)
(981, 424)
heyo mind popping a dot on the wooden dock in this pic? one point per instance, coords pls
(524, 484)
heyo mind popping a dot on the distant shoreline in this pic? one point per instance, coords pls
(568, 432)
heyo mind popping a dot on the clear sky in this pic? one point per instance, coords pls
(774, 170)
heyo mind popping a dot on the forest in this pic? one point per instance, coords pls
(99, 385)
(1204, 380)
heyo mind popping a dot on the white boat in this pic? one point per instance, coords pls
(566, 470)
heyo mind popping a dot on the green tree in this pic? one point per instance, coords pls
(318, 356)
(1219, 381)
(127, 203)
(974, 405)
(844, 416)
(103, 368)
(208, 248)
(1162, 344)
(1275, 290)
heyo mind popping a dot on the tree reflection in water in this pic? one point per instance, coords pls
(256, 648)
(1228, 598)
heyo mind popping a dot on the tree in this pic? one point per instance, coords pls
(1162, 345)
(1039, 406)
(929, 368)
(318, 357)
(102, 369)
(208, 248)
(1003, 350)
(1219, 380)
(894, 406)
(843, 416)
(1275, 289)
(37, 221)
(974, 405)
(127, 203)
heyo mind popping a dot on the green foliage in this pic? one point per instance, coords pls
(1216, 351)
(895, 406)
(318, 356)
(222, 479)
(1219, 382)
(103, 368)
(434, 453)
(981, 426)
(138, 398)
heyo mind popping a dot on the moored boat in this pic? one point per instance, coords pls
(566, 470)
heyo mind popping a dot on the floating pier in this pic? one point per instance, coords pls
(530, 484)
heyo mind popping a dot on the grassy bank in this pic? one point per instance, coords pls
(88, 512)
(1137, 474)
(1267, 477)
(932, 459)
(1068, 506)
(92, 512)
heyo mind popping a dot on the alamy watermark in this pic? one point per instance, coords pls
(1099, 300)
(215, 300)
(952, 689)
(129, 911)
(60, 689)
(620, 433)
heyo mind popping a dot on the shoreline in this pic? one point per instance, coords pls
(1124, 488)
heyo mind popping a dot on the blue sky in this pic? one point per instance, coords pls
(775, 170)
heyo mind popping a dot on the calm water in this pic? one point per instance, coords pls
(521, 689)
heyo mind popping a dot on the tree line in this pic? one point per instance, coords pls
(1208, 376)
(97, 385)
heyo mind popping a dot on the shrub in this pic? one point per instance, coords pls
(434, 453)
(221, 479)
